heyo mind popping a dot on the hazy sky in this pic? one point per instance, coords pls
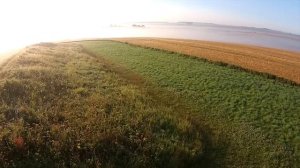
(27, 21)
(281, 15)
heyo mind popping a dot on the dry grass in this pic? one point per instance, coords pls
(5, 56)
(284, 64)
(61, 106)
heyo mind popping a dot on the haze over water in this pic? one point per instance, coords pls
(33, 21)
(185, 30)
(210, 32)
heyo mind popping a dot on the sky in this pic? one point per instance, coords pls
(283, 15)
(29, 21)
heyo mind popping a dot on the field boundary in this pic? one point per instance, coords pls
(242, 132)
(160, 96)
(220, 63)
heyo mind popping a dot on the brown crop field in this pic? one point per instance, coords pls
(283, 64)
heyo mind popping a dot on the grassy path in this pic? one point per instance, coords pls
(254, 111)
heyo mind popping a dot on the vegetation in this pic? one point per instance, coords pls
(280, 64)
(61, 107)
(253, 111)
(109, 104)
(5, 56)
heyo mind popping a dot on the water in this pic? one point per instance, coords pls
(195, 31)
(209, 32)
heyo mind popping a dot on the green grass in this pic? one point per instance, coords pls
(61, 107)
(249, 108)
(108, 104)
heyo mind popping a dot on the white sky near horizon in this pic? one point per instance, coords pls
(24, 22)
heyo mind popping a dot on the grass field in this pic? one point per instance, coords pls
(5, 56)
(230, 96)
(109, 104)
(61, 107)
(280, 63)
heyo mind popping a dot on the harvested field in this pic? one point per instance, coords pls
(283, 64)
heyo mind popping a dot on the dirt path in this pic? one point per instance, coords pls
(284, 64)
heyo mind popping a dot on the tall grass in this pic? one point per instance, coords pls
(61, 107)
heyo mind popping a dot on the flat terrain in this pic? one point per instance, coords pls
(248, 108)
(281, 63)
(111, 104)
(63, 107)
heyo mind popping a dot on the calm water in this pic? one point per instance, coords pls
(195, 31)
(210, 32)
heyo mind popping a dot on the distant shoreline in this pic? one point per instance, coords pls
(212, 32)
(222, 25)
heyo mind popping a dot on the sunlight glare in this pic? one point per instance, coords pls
(33, 21)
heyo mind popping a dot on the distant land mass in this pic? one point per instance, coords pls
(221, 25)
(263, 37)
